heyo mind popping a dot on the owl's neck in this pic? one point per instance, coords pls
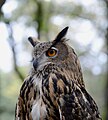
(70, 68)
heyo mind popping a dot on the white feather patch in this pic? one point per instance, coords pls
(36, 111)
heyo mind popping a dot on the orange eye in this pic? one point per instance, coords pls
(51, 52)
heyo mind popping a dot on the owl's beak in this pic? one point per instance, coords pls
(35, 64)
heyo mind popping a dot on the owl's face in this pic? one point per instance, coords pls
(45, 54)
(49, 52)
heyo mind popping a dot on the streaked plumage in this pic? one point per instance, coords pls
(54, 89)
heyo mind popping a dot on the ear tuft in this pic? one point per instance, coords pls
(60, 35)
(33, 41)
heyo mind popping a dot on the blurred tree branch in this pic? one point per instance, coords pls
(2, 2)
(39, 17)
(11, 42)
(12, 46)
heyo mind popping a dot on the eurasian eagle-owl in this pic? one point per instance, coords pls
(54, 89)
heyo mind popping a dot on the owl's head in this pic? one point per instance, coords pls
(56, 51)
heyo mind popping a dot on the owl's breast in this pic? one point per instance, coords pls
(38, 110)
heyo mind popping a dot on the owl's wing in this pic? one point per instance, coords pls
(25, 100)
(74, 102)
(78, 105)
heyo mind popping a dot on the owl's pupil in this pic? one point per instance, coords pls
(51, 51)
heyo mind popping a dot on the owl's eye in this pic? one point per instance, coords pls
(51, 52)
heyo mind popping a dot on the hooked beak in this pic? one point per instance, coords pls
(35, 64)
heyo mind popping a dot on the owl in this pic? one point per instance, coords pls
(54, 88)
